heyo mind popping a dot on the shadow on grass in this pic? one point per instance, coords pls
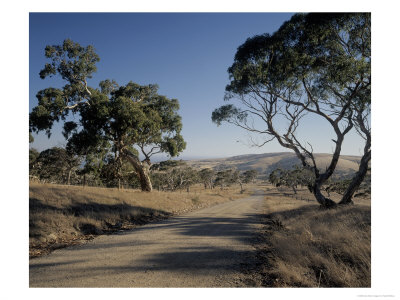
(90, 219)
(135, 214)
(91, 208)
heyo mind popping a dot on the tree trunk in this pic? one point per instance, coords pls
(363, 168)
(322, 200)
(294, 190)
(357, 179)
(142, 169)
(69, 177)
(322, 178)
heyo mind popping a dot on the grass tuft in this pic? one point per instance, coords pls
(304, 246)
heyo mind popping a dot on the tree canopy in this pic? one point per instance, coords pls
(130, 118)
(315, 64)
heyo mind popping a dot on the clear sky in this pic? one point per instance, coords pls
(186, 54)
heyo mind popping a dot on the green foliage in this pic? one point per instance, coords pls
(297, 176)
(207, 176)
(75, 64)
(172, 175)
(33, 156)
(116, 173)
(126, 118)
(167, 164)
(56, 165)
(232, 176)
(249, 175)
(133, 115)
(228, 112)
(317, 64)
(226, 177)
(108, 86)
(50, 108)
(72, 61)
(331, 52)
(93, 166)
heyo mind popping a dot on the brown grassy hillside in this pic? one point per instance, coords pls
(267, 162)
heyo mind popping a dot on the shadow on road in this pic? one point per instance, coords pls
(192, 244)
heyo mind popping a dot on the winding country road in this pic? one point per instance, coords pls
(206, 248)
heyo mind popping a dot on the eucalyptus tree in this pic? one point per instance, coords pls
(131, 118)
(226, 177)
(185, 177)
(33, 166)
(57, 164)
(298, 176)
(161, 174)
(249, 175)
(95, 160)
(173, 175)
(235, 176)
(207, 177)
(316, 65)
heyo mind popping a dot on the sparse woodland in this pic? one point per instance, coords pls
(58, 166)
(315, 64)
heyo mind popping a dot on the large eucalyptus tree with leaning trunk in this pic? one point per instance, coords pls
(316, 65)
(130, 118)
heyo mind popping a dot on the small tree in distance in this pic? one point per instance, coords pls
(172, 175)
(243, 177)
(225, 178)
(57, 165)
(207, 177)
(249, 176)
(298, 176)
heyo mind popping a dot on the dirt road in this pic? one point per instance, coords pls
(206, 248)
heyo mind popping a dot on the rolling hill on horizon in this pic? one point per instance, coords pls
(267, 162)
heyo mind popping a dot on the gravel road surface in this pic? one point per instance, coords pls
(206, 248)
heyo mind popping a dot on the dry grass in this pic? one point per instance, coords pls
(64, 215)
(304, 246)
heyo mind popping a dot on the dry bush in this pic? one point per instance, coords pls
(305, 246)
(62, 215)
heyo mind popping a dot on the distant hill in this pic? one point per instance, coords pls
(267, 162)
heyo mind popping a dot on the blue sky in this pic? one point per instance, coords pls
(186, 54)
